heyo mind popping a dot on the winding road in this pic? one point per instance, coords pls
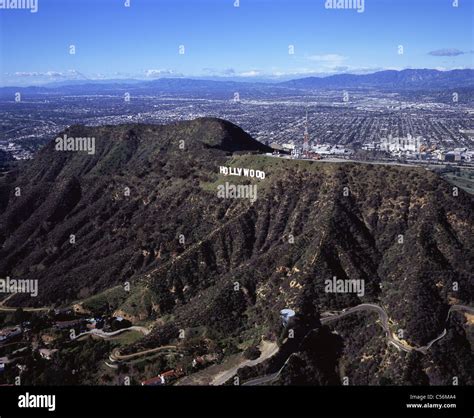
(25, 309)
(327, 317)
(102, 334)
(116, 356)
(267, 350)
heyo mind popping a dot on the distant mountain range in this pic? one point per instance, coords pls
(406, 79)
(411, 79)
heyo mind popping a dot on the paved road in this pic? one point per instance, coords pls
(102, 334)
(115, 355)
(327, 317)
(6, 359)
(267, 350)
(13, 309)
(383, 318)
(269, 377)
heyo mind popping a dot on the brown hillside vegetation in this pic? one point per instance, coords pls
(399, 229)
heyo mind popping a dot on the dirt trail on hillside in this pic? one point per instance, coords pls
(218, 374)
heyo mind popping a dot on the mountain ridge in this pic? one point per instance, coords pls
(311, 222)
(386, 79)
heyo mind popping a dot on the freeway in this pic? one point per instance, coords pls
(328, 317)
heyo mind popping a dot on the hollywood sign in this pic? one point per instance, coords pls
(246, 172)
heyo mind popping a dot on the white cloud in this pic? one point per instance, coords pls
(251, 73)
(446, 52)
(327, 59)
(24, 74)
(161, 73)
(70, 74)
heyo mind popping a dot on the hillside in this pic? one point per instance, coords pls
(131, 204)
(5, 156)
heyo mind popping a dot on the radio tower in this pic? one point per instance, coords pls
(306, 137)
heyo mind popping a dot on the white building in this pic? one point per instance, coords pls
(286, 315)
(288, 146)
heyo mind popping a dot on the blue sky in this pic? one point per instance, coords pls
(220, 40)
